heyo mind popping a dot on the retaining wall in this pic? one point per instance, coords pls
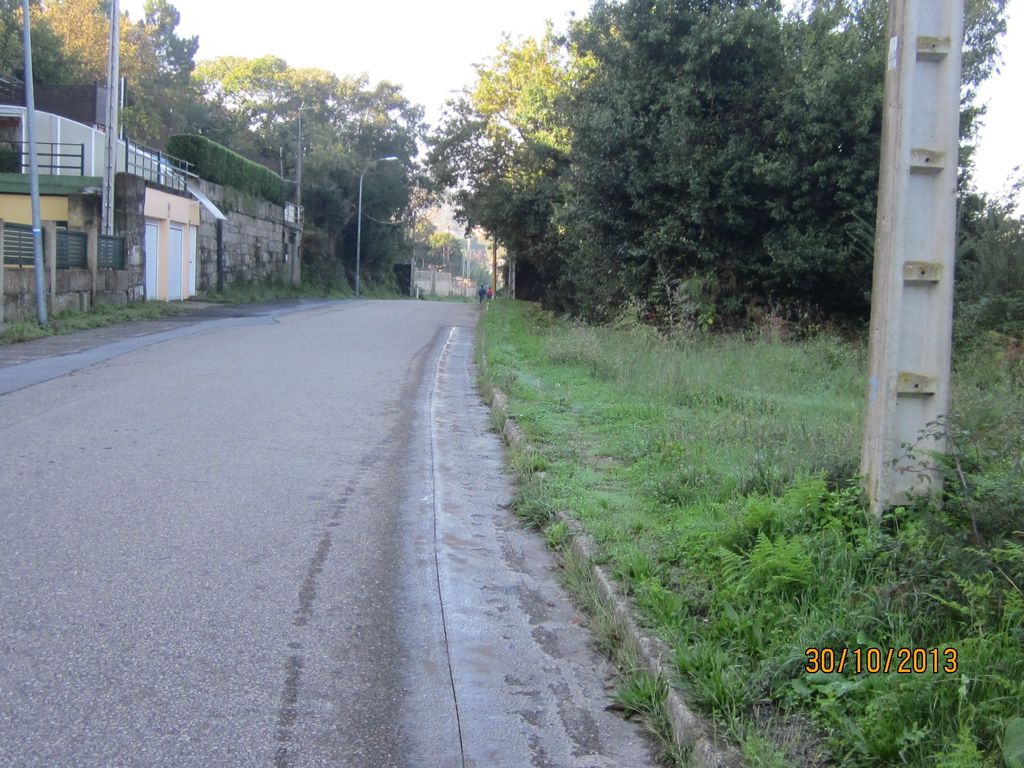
(258, 246)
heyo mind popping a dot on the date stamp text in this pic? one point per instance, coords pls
(902, 661)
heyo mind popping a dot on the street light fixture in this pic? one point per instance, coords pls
(359, 212)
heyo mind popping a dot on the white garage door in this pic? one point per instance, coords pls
(175, 250)
(152, 258)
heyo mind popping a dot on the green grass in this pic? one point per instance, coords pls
(253, 292)
(717, 476)
(69, 322)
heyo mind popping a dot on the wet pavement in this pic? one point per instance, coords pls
(529, 687)
(281, 540)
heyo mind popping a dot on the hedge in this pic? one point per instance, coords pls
(220, 165)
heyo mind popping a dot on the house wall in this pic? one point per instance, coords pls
(17, 209)
(167, 210)
(258, 246)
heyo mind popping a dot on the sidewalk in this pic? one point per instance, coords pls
(195, 312)
(33, 362)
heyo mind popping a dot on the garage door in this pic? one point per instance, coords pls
(152, 258)
(175, 250)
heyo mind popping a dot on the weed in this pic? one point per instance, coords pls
(557, 535)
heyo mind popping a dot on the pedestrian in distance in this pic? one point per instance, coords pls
(482, 294)
(490, 292)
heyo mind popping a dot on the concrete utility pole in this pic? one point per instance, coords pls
(33, 170)
(915, 238)
(113, 93)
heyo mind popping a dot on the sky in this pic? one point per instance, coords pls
(430, 49)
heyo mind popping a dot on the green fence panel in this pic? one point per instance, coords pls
(111, 252)
(72, 250)
(18, 245)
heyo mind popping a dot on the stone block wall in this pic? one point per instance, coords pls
(256, 243)
(74, 290)
(130, 223)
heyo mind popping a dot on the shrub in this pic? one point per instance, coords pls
(220, 165)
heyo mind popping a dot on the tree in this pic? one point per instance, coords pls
(165, 93)
(699, 158)
(154, 61)
(444, 251)
(668, 187)
(50, 65)
(346, 124)
(504, 146)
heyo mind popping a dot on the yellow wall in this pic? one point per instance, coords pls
(17, 209)
(161, 205)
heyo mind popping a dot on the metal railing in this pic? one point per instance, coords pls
(292, 213)
(53, 158)
(158, 167)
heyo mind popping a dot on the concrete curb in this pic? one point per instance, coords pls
(690, 732)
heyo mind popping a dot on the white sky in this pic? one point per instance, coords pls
(429, 47)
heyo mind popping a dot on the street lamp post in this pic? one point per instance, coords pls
(359, 211)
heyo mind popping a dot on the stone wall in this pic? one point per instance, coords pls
(74, 290)
(258, 246)
(130, 223)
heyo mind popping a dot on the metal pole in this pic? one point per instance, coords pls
(359, 225)
(298, 170)
(359, 212)
(113, 80)
(33, 170)
(915, 239)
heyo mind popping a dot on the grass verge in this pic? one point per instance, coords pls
(715, 476)
(69, 322)
(252, 293)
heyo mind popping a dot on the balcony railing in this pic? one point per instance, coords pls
(158, 167)
(53, 158)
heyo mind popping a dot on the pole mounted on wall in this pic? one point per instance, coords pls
(33, 169)
(915, 237)
(113, 80)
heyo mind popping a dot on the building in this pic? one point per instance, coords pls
(176, 234)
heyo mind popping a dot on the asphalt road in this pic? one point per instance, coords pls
(281, 541)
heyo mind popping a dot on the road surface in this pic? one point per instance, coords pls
(281, 540)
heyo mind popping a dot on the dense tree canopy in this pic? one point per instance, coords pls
(256, 106)
(504, 147)
(70, 47)
(695, 158)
